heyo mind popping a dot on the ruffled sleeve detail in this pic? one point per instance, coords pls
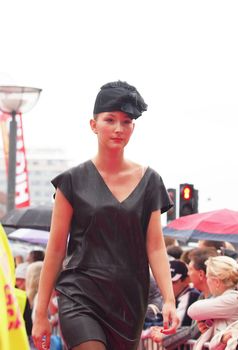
(157, 195)
(63, 181)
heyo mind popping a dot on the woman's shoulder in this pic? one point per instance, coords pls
(229, 296)
(230, 293)
(77, 168)
(70, 173)
(144, 168)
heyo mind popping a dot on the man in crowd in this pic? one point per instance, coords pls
(197, 273)
(184, 294)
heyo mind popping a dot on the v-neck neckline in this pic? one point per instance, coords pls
(108, 188)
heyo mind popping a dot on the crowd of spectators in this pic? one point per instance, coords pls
(205, 282)
(205, 287)
(27, 271)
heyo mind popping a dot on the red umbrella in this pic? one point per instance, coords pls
(217, 225)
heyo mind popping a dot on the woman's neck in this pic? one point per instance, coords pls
(223, 288)
(109, 162)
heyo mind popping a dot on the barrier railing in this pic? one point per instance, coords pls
(149, 344)
(179, 341)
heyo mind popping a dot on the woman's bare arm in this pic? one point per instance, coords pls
(159, 263)
(54, 256)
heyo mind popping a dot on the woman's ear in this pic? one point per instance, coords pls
(218, 283)
(93, 125)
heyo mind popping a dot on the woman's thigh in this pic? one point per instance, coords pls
(78, 328)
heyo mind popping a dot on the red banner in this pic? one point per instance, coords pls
(22, 198)
(22, 184)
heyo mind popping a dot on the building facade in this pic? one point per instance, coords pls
(43, 165)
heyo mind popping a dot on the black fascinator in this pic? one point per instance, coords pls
(120, 96)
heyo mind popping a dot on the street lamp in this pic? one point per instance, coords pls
(14, 100)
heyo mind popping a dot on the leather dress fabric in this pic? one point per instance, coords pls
(106, 269)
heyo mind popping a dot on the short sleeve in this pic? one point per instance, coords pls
(63, 181)
(157, 195)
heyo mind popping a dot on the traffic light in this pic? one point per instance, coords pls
(188, 200)
(171, 213)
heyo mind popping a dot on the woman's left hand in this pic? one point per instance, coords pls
(226, 336)
(171, 320)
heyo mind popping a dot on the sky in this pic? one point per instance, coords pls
(182, 57)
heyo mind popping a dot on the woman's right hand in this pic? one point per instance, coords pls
(41, 332)
(202, 327)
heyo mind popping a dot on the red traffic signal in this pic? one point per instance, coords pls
(188, 200)
(187, 192)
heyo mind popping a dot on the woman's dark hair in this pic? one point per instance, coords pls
(36, 255)
(168, 240)
(175, 251)
(213, 244)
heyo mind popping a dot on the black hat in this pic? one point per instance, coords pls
(120, 96)
(178, 270)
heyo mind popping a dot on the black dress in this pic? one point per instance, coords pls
(106, 277)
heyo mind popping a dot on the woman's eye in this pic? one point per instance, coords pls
(128, 121)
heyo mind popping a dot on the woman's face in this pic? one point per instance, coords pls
(113, 129)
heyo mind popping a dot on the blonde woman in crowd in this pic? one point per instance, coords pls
(32, 282)
(221, 310)
(32, 276)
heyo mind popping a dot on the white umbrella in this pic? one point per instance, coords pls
(30, 235)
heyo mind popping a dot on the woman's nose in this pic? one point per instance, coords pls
(118, 126)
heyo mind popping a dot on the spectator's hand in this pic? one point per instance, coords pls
(155, 334)
(202, 326)
(226, 337)
(171, 320)
(41, 332)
